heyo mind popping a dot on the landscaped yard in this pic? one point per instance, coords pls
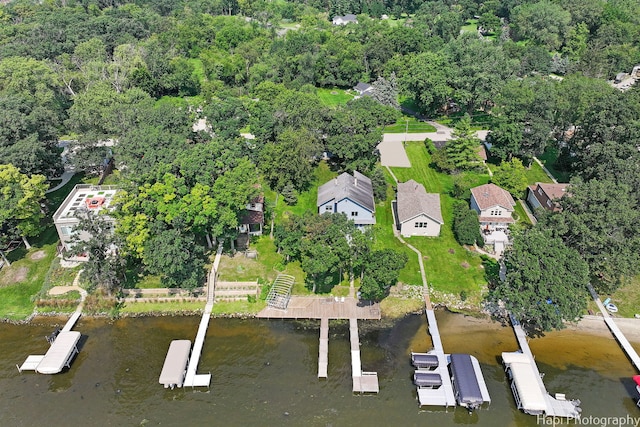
(332, 97)
(535, 173)
(409, 124)
(449, 267)
(627, 298)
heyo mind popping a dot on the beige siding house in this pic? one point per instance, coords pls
(418, 212)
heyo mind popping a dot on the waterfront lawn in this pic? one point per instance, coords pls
(332, 97)
(23, 279)
(161, 307)
(449, 267)
(409, 124)
(626, 298)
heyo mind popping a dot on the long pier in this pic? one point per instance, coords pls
(524, 371)
(323, 356)
(192, 378)
(363, 382)
(615, 330)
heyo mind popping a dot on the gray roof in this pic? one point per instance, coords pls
(413, 200)
(356, 188)
(349, 17)
(361, 87)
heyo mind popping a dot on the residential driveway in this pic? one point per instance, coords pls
(392, 151)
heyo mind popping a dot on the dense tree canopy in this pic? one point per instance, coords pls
(546, 281)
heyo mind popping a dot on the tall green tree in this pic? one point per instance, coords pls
(462, 150)
(20, 197)
(381, 272)
(94, 238)
(512, 176)
(601, 221)
(546, 281)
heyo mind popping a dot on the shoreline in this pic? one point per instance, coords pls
(588, 324)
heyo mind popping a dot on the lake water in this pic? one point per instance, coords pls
(264, 373)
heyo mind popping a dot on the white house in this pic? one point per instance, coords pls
(418, 212)
(351, 195)
(84, 199)
(349, 18)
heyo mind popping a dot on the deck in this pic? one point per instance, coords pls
(323, 307)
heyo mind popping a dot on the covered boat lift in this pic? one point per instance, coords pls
(175, 364)
(59, 355)
(468, 383)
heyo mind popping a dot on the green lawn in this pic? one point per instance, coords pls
(549, 159)
(535, 173)
(410, 125)
(627, 298)
(523, 218)
(449, 267)
(479, 120)
(332, 97)
(471, 26)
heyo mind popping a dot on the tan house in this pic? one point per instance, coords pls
(546, 196)
(418, 212)
(494, 206)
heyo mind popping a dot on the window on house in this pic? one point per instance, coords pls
(328, 208)
(253, 205)
(549, 203)
(354, 213)
(539, 190)
(66, 231)
(421, 224)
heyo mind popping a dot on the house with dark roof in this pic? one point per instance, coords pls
(363, 89)
(251, 220)
(418, 212)
(542, 195)
(351, 195)
(349, 18)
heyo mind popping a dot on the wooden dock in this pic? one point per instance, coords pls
(617, 333)
(321, 307)
(323, 357)
(363, 382)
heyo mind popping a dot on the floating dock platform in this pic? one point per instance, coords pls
(363, 382)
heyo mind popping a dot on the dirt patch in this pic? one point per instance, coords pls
(13, 275)
(465, 265)
(38, 255)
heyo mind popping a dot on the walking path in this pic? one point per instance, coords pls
(615, 330)
(65, 178)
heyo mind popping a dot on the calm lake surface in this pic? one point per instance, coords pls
(264, 373)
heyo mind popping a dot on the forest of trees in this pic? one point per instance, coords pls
(141, 72)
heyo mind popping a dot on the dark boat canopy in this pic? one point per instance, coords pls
(465, 381)
(427, 379)
(424, 361)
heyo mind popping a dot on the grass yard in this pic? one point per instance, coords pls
(449, 267)
(479, 120)
(332, 97)
(627, 298)
(523, 218)
(471, 26)
(410, 125)
(549, 159)
(535, 173)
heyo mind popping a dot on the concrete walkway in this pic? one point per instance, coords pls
(65, 178)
